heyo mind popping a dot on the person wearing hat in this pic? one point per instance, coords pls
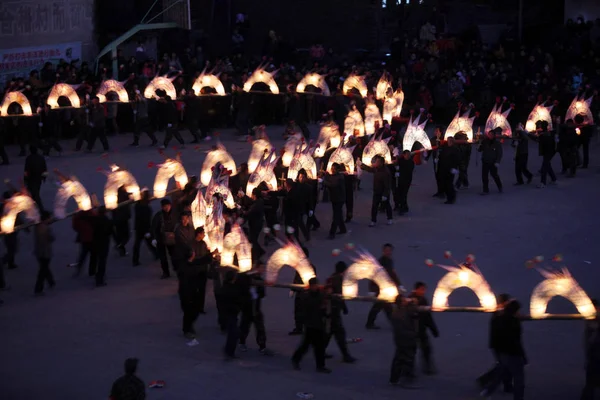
(163, 230)
(97, 123)
(491, 155)
(129, 386)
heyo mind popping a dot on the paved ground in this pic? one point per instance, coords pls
(71, 343)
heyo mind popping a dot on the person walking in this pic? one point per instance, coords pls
(547, 149)
(521, 144)
(338, 307)
(382, 184)
(97, 125)
(163, 230)
(387, 263)
(426, 323)
(103, 231)
(34, 174)
(336, 187)
(404, 318)
(491, 155)
(42, 248)
(142, 225)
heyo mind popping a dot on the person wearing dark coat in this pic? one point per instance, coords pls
(49, 123)
(464, 150)
(591, 342)
(298, 307)
(436, 143)
(103, 231)
(491, 155)
(382, 183)
(292, 211)
(184, 240)
(315, 314)
(82, 224)
(521, 144)
(171, 118)
(129, 386)
(142, 120)
(448, 160)
(34, 174)
(387, 263)
(11, 240)
(336, 187)
(163, 231)
(586, 131)
(256, 219)
(3, 154)
(121, 216)
(43, 239)
(426, 323)
(305, 203)
(547, 149)
(142, 225)
(337, 308)
(405, 168)
(405, 320)
(230, 298)
(271, 202)
(349, 182)
(97, 122)
(568, 141)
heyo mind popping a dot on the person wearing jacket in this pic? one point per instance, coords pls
(521, 144)
(34, 174)
(464, 151)
(142, 225)
(141, 120)
(382, 183)
(336, 187)
(586, 131)
(436, 143)
(491, 155)
(547, 149)
(171, 117)
(404, 318)
(256, 217)
(568, 142)
(42, 248)
(426, 322)
(97, 122)
(121, 216)
(314, 327)
(298, 306)
(184, 240)
(350, 182)
(337, 307)
(591, 343)
(511, 354)
(306, 203)
(82, 224)
(103, 231)
(405, 168)
(230, 298)
(448, 161)
(387, 263)
(163, 231)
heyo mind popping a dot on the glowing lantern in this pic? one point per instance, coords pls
(539, 113)
(376, 147)
(169, 169)
(389, 107)
(115, 87)
(264, 172)
(315, 80)
(15, 97)
(342, 155)
(354, 121)
(365, 266)
(208, 80)
(559, 283)
(160, 83)
(463, 276)
(580, 106)
(289, 149)
(399, 97)
(220, 186)
(199, 213)
(303, 160)
(460, 123)
(498, 119)
(63, 90)
(70, 187)
(383, 87)
(236, 243)
(372, 116)
(290, 254)
(260, 75)
(415, 132)
(329, 137)
(17, 204)
(116, 178)
(259, 148)
(215, 225)
(355, 82)
(217, 155)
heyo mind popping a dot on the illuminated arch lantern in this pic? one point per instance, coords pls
(219, 184)
(264, 172)
(15, 97)
(460, 123)
(118, 177)
(290, 254)
(559, 283)
(169, 169)
(210, 81)
(303, 160)
(539, 113)
(498, 119)
(289, 149)
(63, 90)
(236, 243)
(260, 75)
(112, 86)
(355, 82)
(342, 155)
(376, 147)
(365, 266)
(354, 121)
(199, 213)
(372, 116)
(415, 132)
(215, 224)
(464, 275)
(160, 83)
(218, 155)
(580, 106)
(260, 146)
(17, 204)
(70, 187)
(315, 80)
(329, 137)
(384, 86)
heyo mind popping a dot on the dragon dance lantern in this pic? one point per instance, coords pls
(384, 86)
(260, 146)
(219, 185)
(262, 76)
(461, 123)
(264, 172)
(236, 243)
(463, 275)
(303, 160)
(17, 204)
(118, 177)
(289, 149)
(215, 224)
(539, 113)
(355, 82)
(376, 147)
(290, 254)
(70, 187)
(160, 83)
(580, 106)
(372, 116)
(171, 168)
(63, 90)
(199, 213)
(218, 155)
(365, 266)
(112, 86)
(498, 119)
(329, 137)
(354, 121)
(343, 156)
(15, 97)
(210, 81)
(315, 80)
